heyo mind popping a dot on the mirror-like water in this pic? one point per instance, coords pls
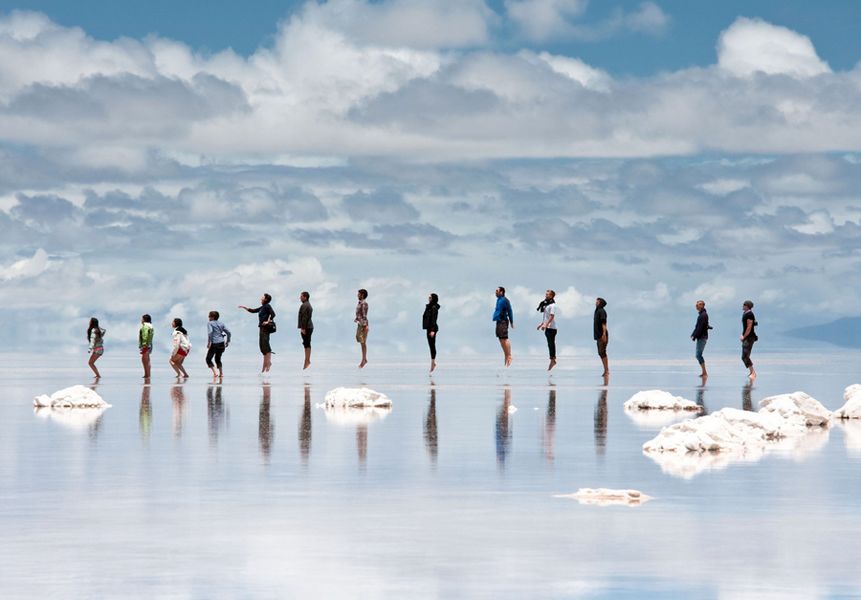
(249, 489)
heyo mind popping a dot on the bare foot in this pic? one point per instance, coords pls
(752, 376)
(433, 366)
(307, 364)
(552, 364)
(363, 363)
(605, 374)
(507, 361)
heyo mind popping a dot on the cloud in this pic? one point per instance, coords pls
(380, 206)
(26, 267)
(541, 20)
(752, 46)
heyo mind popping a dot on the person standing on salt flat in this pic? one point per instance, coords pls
(547, 308)
(266, 326)
(701, 335)
(180, 347)
(600, 333)
(748, 336)
(362, 326)
(429, 324)
(306, 326)
(95, 335)
(503, 317)
(217, 341)
(145, 337)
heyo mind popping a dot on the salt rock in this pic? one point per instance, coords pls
(74, 417)
(660, 400)
(797, 406)
(607, 497)
(77, 396)
(355, 398)
(852, 407)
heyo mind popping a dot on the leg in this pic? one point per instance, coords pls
(265, 350)
(210, 353)
(507, 348)
(92, 362)
(172, 361)
(181, 367)
(219, 350)
(145, 360)
(701, 346)
(602, 352)
(432, 347)
(364, 355)
(550, 334)
(746, 347)
(306, 344)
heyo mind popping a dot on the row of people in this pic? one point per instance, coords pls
(218, 336)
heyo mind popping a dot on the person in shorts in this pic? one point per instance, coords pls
(362, 326)
(306, 325)
(504, 318)
(145, 337)
(95, 335)
(180, 347)
(265, 325)
(600, 333)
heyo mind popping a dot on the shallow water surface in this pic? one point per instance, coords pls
(249, 489)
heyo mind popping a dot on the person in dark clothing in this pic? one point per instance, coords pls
(504, 318)
(547, 308)
(701, 335)
(600, 333)
(306, 325)
(266, 325)
(429, 324)
(748, 336)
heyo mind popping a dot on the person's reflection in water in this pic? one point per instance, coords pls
(305, 427)
(746, 403)
(265, 426)
(701, 400)
(549, 437)
(145, 413)
(601, 423)
(93, 428)
(362, 444)
(430, 432)
(503, 428)
(177, 396)
(215, 412)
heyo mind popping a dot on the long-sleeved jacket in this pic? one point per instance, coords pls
(217, 333)
(97, 335)
(145, 335)
(701, 329)
(305, 312)
(502, 312)
(430, 316)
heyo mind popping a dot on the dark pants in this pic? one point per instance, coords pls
(550, 334)
(215, 351)
(265, 348)
(431, 343)
(746, 347)
(306, 338)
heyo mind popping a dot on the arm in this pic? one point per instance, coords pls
(226, 336)
(92, 339)
(510, 313)
(747, 330)
(698, 328)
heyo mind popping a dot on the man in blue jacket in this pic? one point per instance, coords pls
(701, 335)
(503, 317)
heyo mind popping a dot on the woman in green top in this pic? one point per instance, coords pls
(145, 335)
(95, 335)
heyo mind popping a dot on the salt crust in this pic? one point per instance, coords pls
(607, 497)
(852, 407)
(660, 400)
(355, 406)
(790, 422)
(77, 396)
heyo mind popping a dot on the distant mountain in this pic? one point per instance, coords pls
(844, 332)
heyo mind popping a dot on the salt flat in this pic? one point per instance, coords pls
(248, 490)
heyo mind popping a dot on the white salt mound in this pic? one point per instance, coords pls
(77, 396)
(852, 408)
(512, 409)
(797, 406)
(607, 497)
(73, 417)
(355, 398)
(659, 400)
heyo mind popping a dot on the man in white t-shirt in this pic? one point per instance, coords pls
(547, 308)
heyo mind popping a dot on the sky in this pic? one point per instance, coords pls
(174, 158)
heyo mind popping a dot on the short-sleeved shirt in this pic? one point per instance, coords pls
(749, 316)
(550, 311)
(599, 322)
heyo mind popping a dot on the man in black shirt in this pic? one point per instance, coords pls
(701, 335)
(266, 325)
(599, 331)
(748, 336)
(306, 325)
